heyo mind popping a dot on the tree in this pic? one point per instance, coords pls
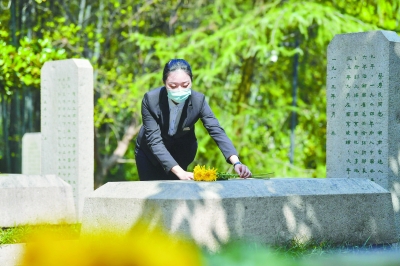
(242, 54)
(22, 58)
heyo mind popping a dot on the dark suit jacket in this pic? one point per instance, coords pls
(153, 138)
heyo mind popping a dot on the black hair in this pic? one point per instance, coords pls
(176, 64)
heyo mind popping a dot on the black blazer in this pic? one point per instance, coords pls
(153, 138)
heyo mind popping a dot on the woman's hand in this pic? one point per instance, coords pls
(182, 174)
(186, 176)
(242, 170)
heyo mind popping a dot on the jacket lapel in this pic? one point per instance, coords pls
(164, 108)
(189, 112)
(186, 111)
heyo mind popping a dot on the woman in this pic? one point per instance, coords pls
(166, 143)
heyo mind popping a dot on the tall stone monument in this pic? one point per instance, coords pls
(67, 124)
(363, 110)
(31, 150)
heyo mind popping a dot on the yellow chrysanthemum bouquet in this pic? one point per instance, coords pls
(201, 173)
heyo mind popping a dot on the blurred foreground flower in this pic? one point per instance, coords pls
(142, 246)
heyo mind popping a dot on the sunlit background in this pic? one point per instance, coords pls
(261, 64)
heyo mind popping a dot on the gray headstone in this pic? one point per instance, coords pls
(67, 124)
(35, 199)
(363, 109)
(31, 150)
(270, 211)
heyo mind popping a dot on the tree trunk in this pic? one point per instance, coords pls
(104, 165)
(293, 119)
(28, 111)
(4, 114)
(35, 110)
(13, 25)
(15, 132)
(243, 91)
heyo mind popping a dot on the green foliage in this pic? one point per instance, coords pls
(248, 254)
(241, 54)
(299, 253)
(12, 235)
(20, 234)
(297, 248)
(218, 49)
(21, 66)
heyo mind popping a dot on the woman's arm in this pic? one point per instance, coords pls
(153, 136)
(215, 130)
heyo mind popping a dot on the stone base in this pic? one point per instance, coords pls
(10, 255)
(35, 199)
(272, 211)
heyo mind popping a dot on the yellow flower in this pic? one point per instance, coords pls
(143, 246)
(200, 173)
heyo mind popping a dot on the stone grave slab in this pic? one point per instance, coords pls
(269, 211)
(363, 110)
(31, 150)
(35, 199)
(67, 124)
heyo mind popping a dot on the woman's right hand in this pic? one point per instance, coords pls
(182, 174)
(186, 176)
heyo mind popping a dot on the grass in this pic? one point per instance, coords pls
(20, 234)
(294, 248)
(292, 253)
(297, 249)
(300, 253)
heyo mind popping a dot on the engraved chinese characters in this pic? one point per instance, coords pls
(67, 124)
(363, 109)
(357, 112)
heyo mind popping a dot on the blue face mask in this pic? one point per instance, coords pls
(179, 95)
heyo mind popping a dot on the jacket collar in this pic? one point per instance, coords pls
(164, 107)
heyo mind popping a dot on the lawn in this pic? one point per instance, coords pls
(293, 253)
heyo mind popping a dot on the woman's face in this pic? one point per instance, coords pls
(178, 79)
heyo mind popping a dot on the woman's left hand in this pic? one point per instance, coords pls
(242, 170)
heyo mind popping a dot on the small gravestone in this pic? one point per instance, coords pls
(31, 149)
(67, 124)
(35, 199)
(363, 109)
